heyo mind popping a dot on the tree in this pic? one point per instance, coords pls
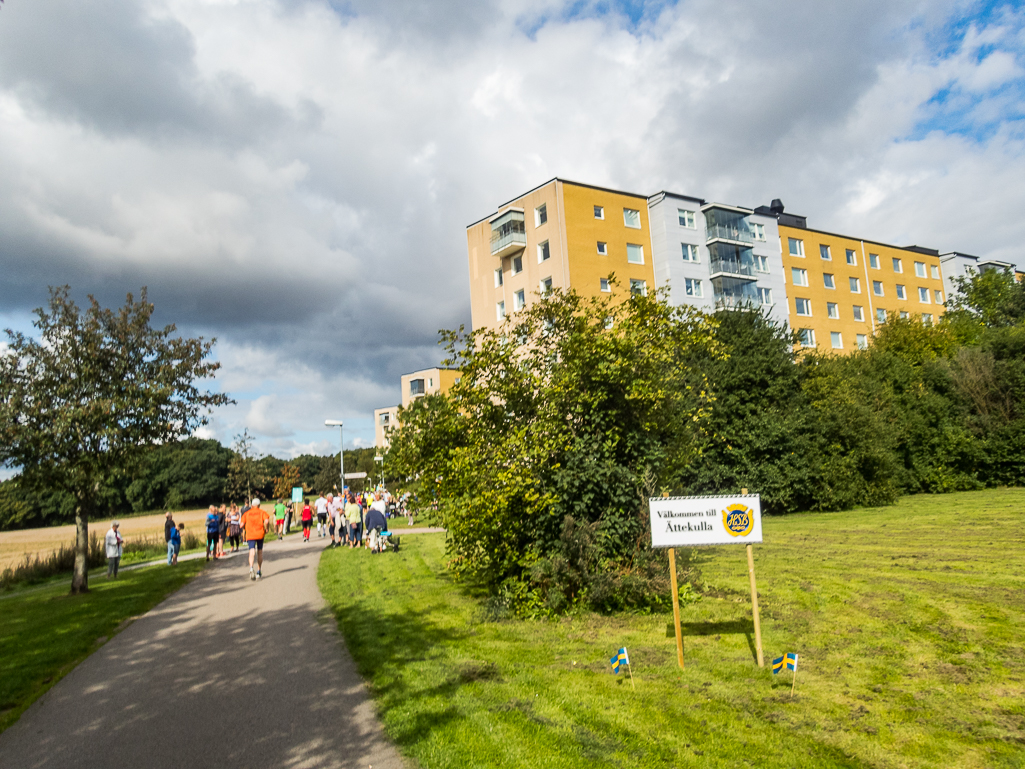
(243, 473)
(80, 405)
(285, 482)
(993, 299)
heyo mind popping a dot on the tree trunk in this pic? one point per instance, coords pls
(80, 579)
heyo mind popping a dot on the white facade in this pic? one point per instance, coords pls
(712, 255)
(957, 265)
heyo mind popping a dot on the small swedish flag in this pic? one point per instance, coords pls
(777, 664)
(788, 660)
(792, 661)
(620, 659)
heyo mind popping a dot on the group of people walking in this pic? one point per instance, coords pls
(349, 519)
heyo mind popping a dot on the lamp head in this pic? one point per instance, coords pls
(332, 423)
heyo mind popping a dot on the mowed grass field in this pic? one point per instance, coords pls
(909, 622)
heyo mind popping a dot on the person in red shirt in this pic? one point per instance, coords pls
(255, 523)
(307, 519)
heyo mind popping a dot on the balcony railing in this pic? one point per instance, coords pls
(724, 232)
(730, 267)
(508, 233)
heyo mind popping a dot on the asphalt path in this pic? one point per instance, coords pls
(225, 673)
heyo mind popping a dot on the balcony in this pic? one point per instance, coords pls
(732, 268)
(508, 234)
(731, 234)
(730, 293)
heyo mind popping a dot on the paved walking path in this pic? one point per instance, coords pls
(225, 673)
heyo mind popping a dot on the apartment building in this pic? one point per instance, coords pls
(840, 289)
(713, 255)
(558, 235)
(834, 290)
(958, 265)
(415, 385)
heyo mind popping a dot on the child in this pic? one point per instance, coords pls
(307, 521)
(176, 542)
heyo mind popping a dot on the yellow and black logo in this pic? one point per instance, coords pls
(738, 520)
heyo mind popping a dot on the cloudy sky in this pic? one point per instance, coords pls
(294, 177)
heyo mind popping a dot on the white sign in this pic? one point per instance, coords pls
(354, 476)
(297, 493)
(688, 521)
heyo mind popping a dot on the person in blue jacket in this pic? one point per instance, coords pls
(213, 531)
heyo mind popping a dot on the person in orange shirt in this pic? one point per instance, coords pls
(255, 523)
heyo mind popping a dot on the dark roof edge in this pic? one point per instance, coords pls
(677, 195)
(931, 252)
(545, 184)
(432, 368)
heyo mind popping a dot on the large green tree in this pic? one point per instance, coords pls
(80, 404)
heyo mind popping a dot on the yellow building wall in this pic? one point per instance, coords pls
(845, 299)
(436, 380)
(584, 231)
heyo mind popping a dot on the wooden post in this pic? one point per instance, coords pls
(676, 607)
(754, 606)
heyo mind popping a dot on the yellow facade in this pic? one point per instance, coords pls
(428, 381)
(573, 232)
(912, 285)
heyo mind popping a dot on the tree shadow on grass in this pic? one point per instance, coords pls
(727, 627)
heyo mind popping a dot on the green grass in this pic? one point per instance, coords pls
(908, 620)
(46, 632)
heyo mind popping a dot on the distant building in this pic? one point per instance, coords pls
(429, 381)
(834, 290)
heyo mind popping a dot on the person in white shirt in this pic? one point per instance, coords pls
(321, 507)
(114, 546)
(335, 508)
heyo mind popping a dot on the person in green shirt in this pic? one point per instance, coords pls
(279, 518)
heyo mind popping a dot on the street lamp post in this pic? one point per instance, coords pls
(341, 447)
(381, 460)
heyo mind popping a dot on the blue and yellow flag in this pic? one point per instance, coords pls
(791, 661)
(788, 661)
(620, 659)
(777, 664)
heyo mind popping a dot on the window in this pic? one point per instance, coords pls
(800, 276)
(926, 319)
(430, 382)
(609, 321)
(824, 253)
(836, 340)
(517, 265)
(833, 310)
(803, 306)
(901, 293)
(686, 218)
(873, 261)
(937, 295)
(690, 253)
(519, 300)
(540, 215)
(693, 287)
(897, 266)
(880, 315)
(923, 295)
(903, 315)
(599, 212)
(855, 285)
(757, 231)
(806, 337)
(796, 246)
(632, 218)
(859, 313)
(603, 248)
(498, 277)
(546, 285)
(500, 311)
(761, 263)
(605, 285)
(862, 341)
(416, 387)
(877, 287)
(851, 258)
(638, 287)
(919, 269)
(543, 252)
(634, 254)
(934, 270)
(765, 295)
(827, 280)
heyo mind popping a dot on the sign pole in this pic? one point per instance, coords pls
(754, 605)
(676, 607)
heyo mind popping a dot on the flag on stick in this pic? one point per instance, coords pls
(777, 665)
(792, 665)
(621, 658)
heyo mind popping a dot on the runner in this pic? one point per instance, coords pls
(279, 518)
(307, 519)
(256, 522)
(321, 505)
(234, 528)
(212, 530)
